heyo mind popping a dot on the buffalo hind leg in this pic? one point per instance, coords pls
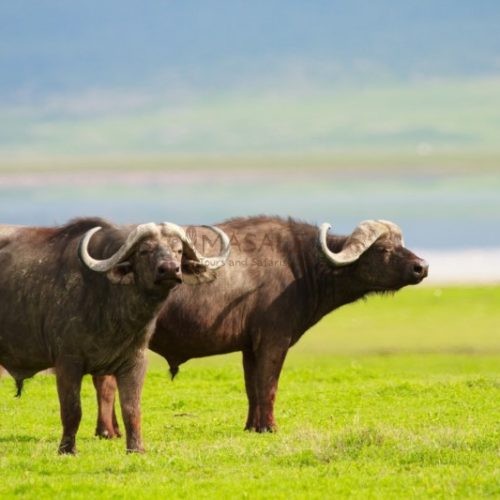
(107, 425)
(130, 388)
(69, 376)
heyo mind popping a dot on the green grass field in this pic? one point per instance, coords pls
(389, 398)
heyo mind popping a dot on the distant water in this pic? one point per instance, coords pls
(442, 214)
(475, 265)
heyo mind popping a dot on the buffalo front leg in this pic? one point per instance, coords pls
(250, 372)
(107, 425)
(130, 384)
(69, 374)
(270, 361)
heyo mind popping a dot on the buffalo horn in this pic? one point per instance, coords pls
(146, 230)
(209, 262)
(367, 233)
(103, 266)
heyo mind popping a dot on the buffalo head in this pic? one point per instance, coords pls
(155, 256)
(377, 254)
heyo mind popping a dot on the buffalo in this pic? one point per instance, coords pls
(82, 298)
(282, 278)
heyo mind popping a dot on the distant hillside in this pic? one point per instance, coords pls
(422, 119)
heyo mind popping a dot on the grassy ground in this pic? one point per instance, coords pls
(379, 401)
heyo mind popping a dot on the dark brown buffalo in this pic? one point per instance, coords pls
(62, 308)
(282, 278)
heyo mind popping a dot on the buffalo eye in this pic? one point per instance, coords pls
(384, 252)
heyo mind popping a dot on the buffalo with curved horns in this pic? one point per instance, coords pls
(282, 278)
(82, 298)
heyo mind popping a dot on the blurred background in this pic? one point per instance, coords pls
(197, 111)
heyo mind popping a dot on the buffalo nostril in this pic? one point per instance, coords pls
(420, 269)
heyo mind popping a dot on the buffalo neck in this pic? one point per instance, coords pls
(324, 287)
(116, 311)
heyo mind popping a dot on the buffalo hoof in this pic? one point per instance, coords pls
(65, 451)
(266, 428)
(261, 429)
(108, 434)
(67, 448)
(135, 450)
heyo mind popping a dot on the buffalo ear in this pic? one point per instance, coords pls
(194, 272)
(121, 274)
